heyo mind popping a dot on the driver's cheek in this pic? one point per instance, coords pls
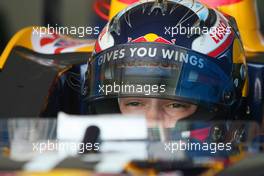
(159, 117)
(171, 116)
(170, 119)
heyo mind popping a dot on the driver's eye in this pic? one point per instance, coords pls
(177, 105)
(134, 104)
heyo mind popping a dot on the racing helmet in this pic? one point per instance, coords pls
(179, 50)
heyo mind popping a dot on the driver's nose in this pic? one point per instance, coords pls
(154, 111)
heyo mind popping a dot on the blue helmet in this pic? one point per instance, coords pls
(171, 49)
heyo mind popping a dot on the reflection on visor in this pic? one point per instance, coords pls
(158, 70)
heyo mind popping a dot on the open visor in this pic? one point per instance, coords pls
(159, 71)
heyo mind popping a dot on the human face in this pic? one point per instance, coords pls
(164, 112)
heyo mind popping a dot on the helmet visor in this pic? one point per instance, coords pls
(158, 71)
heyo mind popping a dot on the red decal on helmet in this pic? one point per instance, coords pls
(200, 134)
(128, 1)
(162, 40)
(58, 50)
(139, 39)
(216, 3)
(222, 47)
(151, 38)
(47, 40)
(97, 43)
(102, 33)
(219, 33)
(97, 47)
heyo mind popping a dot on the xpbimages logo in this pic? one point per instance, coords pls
(122, 88)
(174, 146)
(80, 31)
(56, 145)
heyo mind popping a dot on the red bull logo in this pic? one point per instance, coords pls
(151, 38)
